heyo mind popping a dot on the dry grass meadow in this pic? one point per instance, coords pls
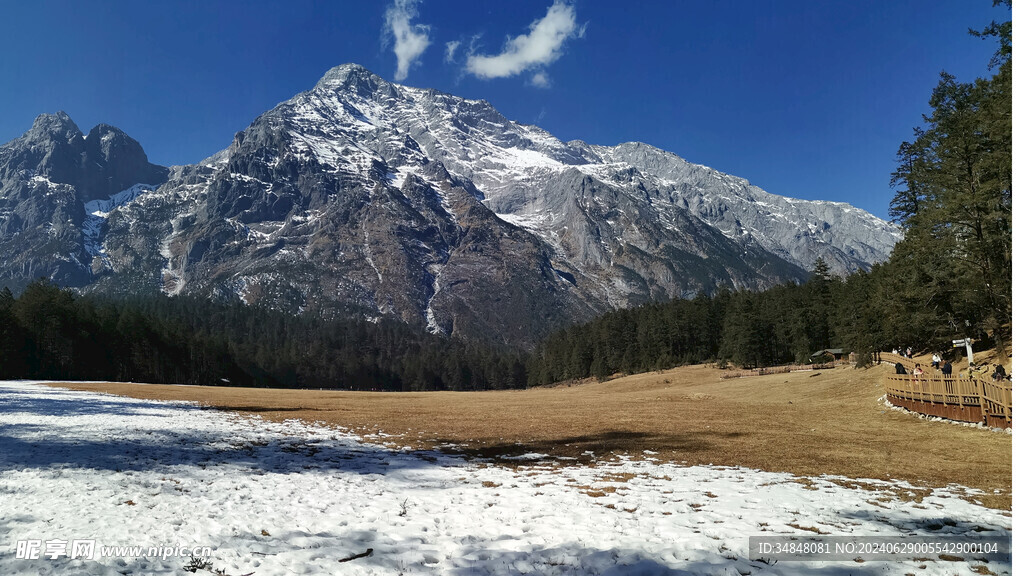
(805, 423)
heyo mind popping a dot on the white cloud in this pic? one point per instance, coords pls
(540, 80)
(410, 39)
(542, 46)
(449, 50)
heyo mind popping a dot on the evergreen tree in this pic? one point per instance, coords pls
(12, 338)
(953, 199)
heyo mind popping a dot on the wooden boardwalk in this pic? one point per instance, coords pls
(968, 399)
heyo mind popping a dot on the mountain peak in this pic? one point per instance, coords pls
(54, 126)
(103, 163)
(105, 133)
(347, 74)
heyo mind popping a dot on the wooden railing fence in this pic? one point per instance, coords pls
(997, 399)
(968, 399)
(767, 370)
(908, 363)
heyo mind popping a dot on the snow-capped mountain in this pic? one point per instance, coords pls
(365, 197)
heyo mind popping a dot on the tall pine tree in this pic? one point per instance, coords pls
(953, 198)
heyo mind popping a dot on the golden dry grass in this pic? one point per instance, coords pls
(805, 423)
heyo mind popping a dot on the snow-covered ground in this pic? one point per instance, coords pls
(292, 498)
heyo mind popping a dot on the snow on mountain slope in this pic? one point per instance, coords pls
(800, 231)
(97, 212)
(514, 166)
(363, 197)
(512, 163)
(284, 498)
(355, 122)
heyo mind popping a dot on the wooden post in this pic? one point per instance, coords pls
(980, 387)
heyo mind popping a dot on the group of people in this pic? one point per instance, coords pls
(1000, 373)
(907, 353)
(945, 367)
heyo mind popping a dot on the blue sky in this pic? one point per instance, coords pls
(805, 98)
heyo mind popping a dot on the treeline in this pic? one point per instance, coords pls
(781, 325)
(950, 276)
(50, 333)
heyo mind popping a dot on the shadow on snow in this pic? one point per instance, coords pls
(43, 445)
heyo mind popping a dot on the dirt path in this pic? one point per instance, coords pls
(805, 423)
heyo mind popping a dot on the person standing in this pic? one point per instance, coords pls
(947, 369)
(917, 374)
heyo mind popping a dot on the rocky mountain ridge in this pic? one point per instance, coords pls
(365, 197)
(47, 177)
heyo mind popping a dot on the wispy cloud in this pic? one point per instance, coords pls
(410, 39)
(540, 47)
(449, 50)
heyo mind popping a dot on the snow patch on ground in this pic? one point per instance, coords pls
(921, 416)
(294, 498)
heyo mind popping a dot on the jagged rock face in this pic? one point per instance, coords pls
(369, 198)
(799, 231)
(46, 178)
(119, 161)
